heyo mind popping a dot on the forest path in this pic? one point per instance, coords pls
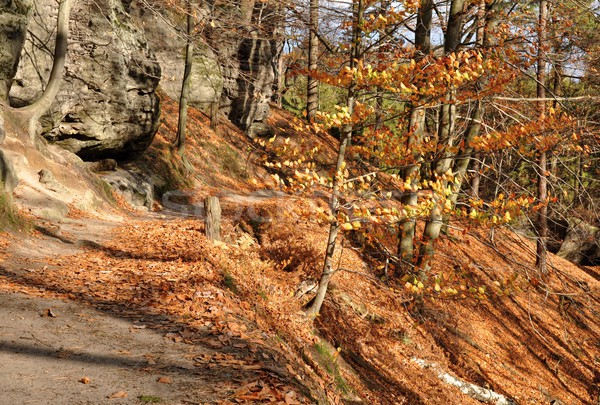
(70, 334)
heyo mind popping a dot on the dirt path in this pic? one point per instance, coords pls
(90, 351)
(48, 347)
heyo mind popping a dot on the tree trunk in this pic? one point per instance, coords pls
(246, 9)
(542, 221)
(464, 158)
(214, 115)
(42, 105)
(406, 234)
(386, 34)
(486, 21)
(454, 27)
(312, 88)
(410, 198)
(212, 218)
(187, 80)
(338, 181)
(476, 179)
(446, 140)
(15, 19)
(435, 222)
(278, 44)
(423, 30)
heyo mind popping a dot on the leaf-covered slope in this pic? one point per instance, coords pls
(485, 316)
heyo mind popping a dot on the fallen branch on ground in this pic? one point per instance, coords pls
(474, 391)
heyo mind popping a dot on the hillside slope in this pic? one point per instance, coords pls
(493, 323)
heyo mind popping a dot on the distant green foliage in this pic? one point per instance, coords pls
(294, 99)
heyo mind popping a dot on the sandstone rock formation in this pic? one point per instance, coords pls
(167, 41)
(247, 47)
(133, 185)
(8, 177)
(234, 62)
(14, 16)
(582, 243)
(107, 105)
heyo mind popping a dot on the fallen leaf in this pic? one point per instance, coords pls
(175, 337)
(253, 367)
(214, 344)
(290, 398)
(85, 380)
(150, 359)
(48, 312)
(250, 397)
(118, 394)
(63, 354)
(164, 380)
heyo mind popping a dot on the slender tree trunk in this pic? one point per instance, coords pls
(487, 20)
(476, 179)
(42, 105)
(407, 232)
(278, 46)
(406, 247)
(312, 89)
(386, 34)
(247, 8)
(338, 180)
(463, 160)
(212, 218)
(280, 83)
(214, 114)
(577, 200)
(187, 80)
(454, 27)
(446, 139)
(435, 221)
(423, 31)
(542, 222)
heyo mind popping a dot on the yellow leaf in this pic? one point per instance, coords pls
(118, 394)
(346, 226)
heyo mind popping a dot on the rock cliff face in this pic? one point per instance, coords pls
(248, 50)
(14, 16)
(233, 59)
(582, 243)
(165, 31)
(107, 105)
